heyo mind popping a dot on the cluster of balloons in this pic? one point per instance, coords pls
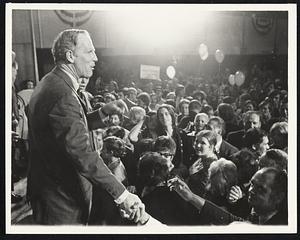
(238, 78)
(171, 72)
(203, 52)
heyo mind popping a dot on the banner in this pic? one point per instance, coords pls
(150, 72)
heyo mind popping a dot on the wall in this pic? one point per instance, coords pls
(233, 33)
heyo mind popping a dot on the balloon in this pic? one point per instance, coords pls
(203, 51)
(171, 72)
(231, 79)
(219, 56)
(239, 78)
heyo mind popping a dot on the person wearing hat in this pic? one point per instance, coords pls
(159, 93)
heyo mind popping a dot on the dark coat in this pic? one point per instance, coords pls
(64, 166)
(226, 150)
(236, 138)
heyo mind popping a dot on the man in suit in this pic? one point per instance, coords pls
(251, 120)
(223, 149)
(65, 167)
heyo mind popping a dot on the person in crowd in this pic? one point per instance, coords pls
(223, 149)
(179, 95)
(171, 96)
(115, 119)
(200, 162)
(158, 92)
(275, 158)
(200, 96)
(15, 198)
(248, 106)
(208, 110)
(222, 176)
(109, 97)
(267, 198)
(161, 203)
(150, 131)
(143, 101)
(284, 110)
(275, 100)
(97, 102)
(26, 93)
(226, 112)
(130, 97)
(266, 117)
(153, 103)
(136, 114)
(279, 136)
(166, 125)
(194, 108)
(64, 166)
(257, 141)
(183, 108)
(251, 120)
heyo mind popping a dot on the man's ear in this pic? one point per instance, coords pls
(70, 56)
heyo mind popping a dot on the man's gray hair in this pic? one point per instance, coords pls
(64, 42)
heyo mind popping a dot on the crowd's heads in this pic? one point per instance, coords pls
(194, 106)
(256, 140)
(248, 106)
(275, 97)
(109, 97)
(179, 91)
(165, 146)
(136, 114)
(184, 106)
(268, 190)
(265, 109)
(222, 175)
(115, 119)
(217, 124)
(246, 163)
(153, 169)
(252, 120)
(117, 131)
(151, 120)
(208, 110)
(158, 91)
(200, 96)
(143, 100)
(275, 158)
(226, 112)
(166, 116)
(132, 93)
(279, 135)
(205, 142)
(113, 147)
(200, 121)
(171, 96)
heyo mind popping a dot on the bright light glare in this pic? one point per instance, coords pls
(159, 28)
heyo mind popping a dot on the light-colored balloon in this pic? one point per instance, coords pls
(239, 78)
(203, 51)
(171, 72)
(231, 79)
(219, 56)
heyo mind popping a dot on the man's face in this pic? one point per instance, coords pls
(265, 110)
(114, 120)
(83, 82)
(85, 56)
(200, 122)
(263, 146)
(168, 156)
(253, 122)
(185, 109)
(215, 127)
(29, 85)
(261, 196)
(141, 103)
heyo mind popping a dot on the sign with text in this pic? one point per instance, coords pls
(150, 72)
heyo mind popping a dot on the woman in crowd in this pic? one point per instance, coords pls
(279, 136)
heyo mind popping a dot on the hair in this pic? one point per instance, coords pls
(115, 146)
(136, 113)
(222, 169)
(152, 169)
(64, 42)
(171, 102)
(279, 134)
(171, 111)
(275, 158)
(117, 131)
(183, 101)
(249, 113)
(206, 108)
(202, 94)
(254, 136)
(220, 123)
(170, 95)
(164, 143)
(120, 115)
(199, 115)
(130, 90)
(178, 89)
(245, 161)
(226, 112)
(194, 105)
(209, 135)
(145, 98)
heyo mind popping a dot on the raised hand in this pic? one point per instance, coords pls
(196, 167)
(235, 194)
(181, 188)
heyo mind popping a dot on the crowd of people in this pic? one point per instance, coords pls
(172, 152)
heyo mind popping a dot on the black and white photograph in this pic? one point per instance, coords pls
(145, 118)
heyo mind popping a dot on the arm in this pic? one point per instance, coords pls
(135, 131)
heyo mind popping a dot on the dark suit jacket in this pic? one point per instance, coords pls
(226, 150)
(64, 167)
(236, 138)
